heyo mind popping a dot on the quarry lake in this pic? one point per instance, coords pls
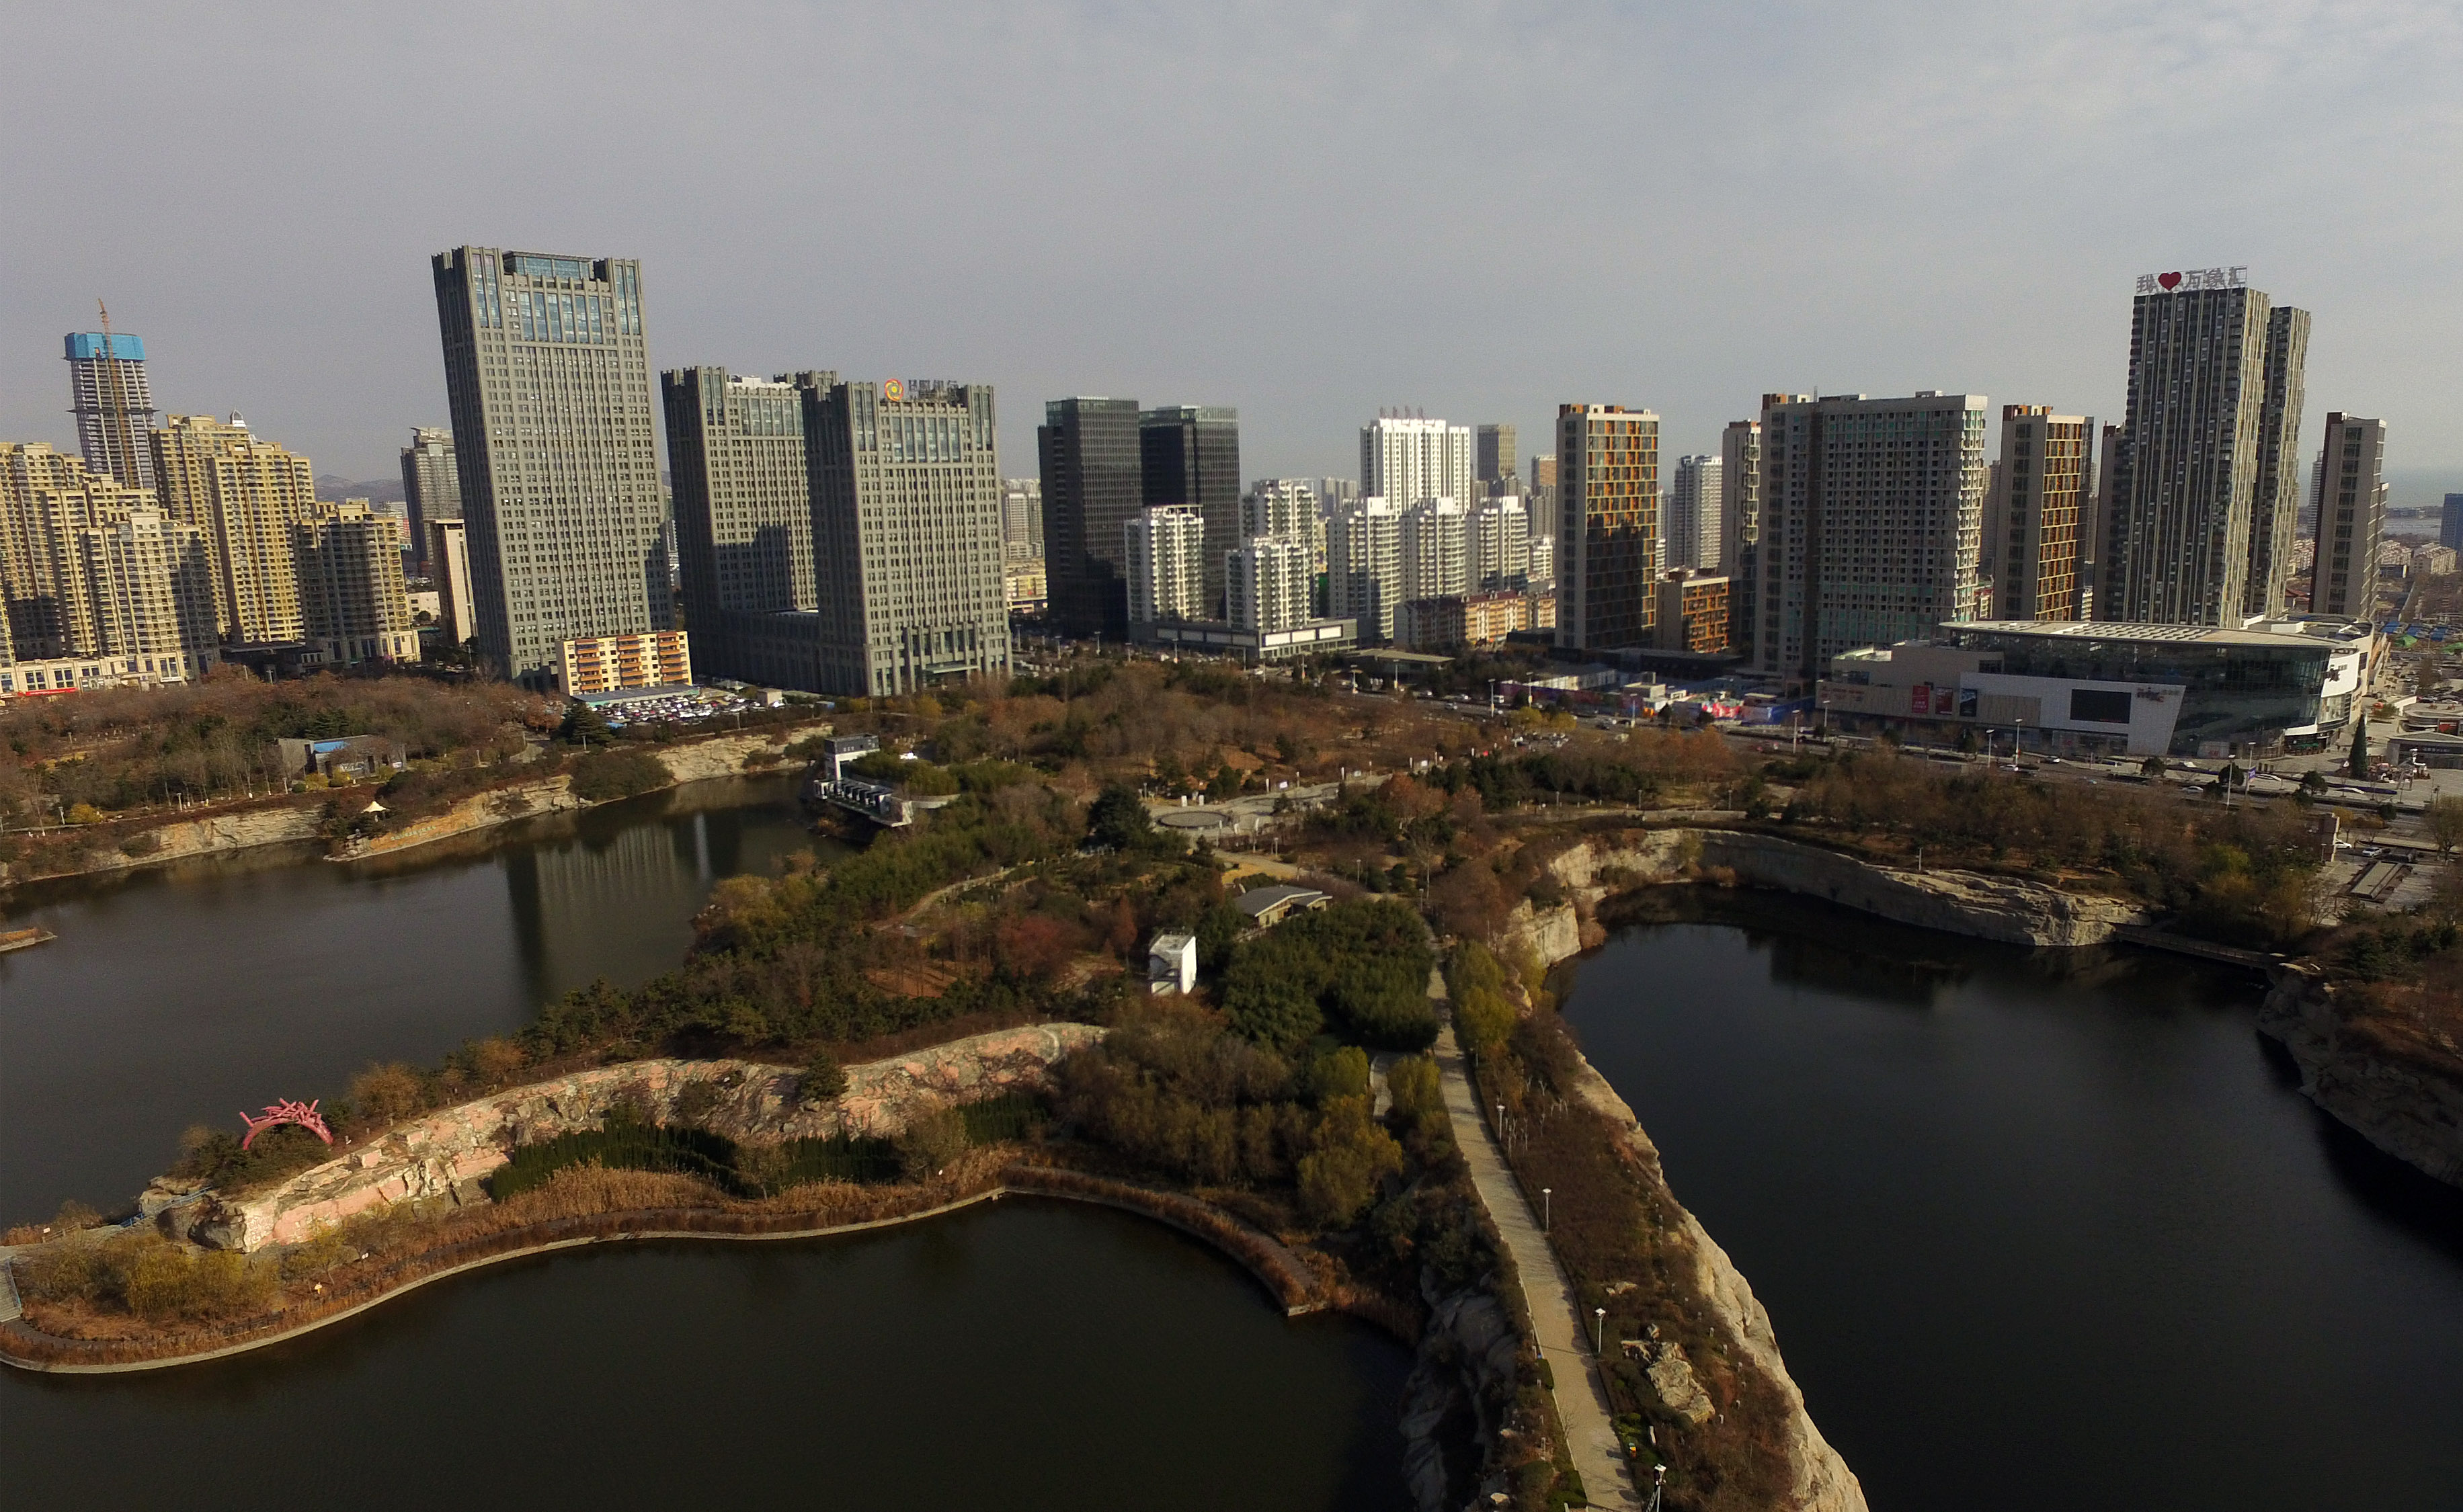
(2038, 1232)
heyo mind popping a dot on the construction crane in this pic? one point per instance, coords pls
(116, 406)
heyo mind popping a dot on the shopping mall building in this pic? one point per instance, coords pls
(2092, 688)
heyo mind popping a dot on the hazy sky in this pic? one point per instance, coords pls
(1305, 210)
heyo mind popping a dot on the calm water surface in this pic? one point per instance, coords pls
(2038, 1235)
(182, 995)
(1026, 1356)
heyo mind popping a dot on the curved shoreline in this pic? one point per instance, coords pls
(1016, 1181)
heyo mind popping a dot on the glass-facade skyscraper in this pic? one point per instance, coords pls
(547, 372)
(1190, 458)
(1093, 484)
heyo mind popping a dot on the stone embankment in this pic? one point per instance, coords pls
(2406, 1108)
(1821, 1483)
(721, 756)
(447, 1153)
(1972, 903)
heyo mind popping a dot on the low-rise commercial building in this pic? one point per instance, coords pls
(2095, 687)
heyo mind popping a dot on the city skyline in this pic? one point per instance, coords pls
(2027, 301)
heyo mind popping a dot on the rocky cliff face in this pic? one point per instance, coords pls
(445, 1155)
(1822, 1482)
(1456, 1396)
(2407, 1111)
(1969, 903)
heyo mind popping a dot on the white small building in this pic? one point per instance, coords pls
(1172, 964)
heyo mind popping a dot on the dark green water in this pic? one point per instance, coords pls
(184, 994)
(2038, 1233)
(1022, 1355)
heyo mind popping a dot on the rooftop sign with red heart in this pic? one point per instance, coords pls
(2193, 280)
(2169, 281)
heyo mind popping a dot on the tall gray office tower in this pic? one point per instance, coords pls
(2351, 515)
(2449, 523)
(1691, 527)
(1741, 520)
(113, 405)
(906, 535)
(1190, 457)
(1872, 524)
(549, 376)
(2274, 509)
(744, 511)
(2203, 498)
(1093, 483)
(431, 485)
(1496, 446)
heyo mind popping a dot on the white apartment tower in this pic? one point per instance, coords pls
(1436, 550)
(1501, 544)
(1164, 549)
(1405, 460)
(1269, 581)
(1695, 505)
(1364, 567)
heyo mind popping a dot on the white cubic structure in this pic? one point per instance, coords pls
(1165, 552)
(1269, 583)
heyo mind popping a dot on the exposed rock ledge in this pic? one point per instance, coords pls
(1970, 903)
(444, 1154)
(1822, 1481)
(2408, 1110)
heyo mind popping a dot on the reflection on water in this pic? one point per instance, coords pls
(1034, 1357)
(2067, 1233)
(183, 994)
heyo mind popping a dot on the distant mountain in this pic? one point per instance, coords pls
(376, 491)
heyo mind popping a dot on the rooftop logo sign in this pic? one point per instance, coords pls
(894, 390)
(2194, 280)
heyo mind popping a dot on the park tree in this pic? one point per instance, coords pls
(2359, 766)
(2445, 823)
(1119, 819)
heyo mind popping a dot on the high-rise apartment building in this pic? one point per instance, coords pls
(2215, 392)
(2274, 510)
(2351, 514)
(906, 549)
(1501, 544)
(547, 372)
(1165, 547)
(113, 405)
(1496, 456)
(1190, 458)
(431, 484)
(2040, 494)
(1436, 550)
(449, 565)
(1696, 505)
(1270, 584)
(1740, 515)
(352, 604)
(1093, 480)
(1872, 524)
(1364, 567)
(1022, 519)
(1607, 525)
(244, 491)
(744, 509)
(150, 582)
(90, 567)
(1282, 507)
(1405, 460)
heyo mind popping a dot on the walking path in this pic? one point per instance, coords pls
(1564, 1340)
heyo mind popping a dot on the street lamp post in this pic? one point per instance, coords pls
(1598, 1329)
(1547, 1206)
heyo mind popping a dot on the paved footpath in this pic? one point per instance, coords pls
(1564, 1340)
